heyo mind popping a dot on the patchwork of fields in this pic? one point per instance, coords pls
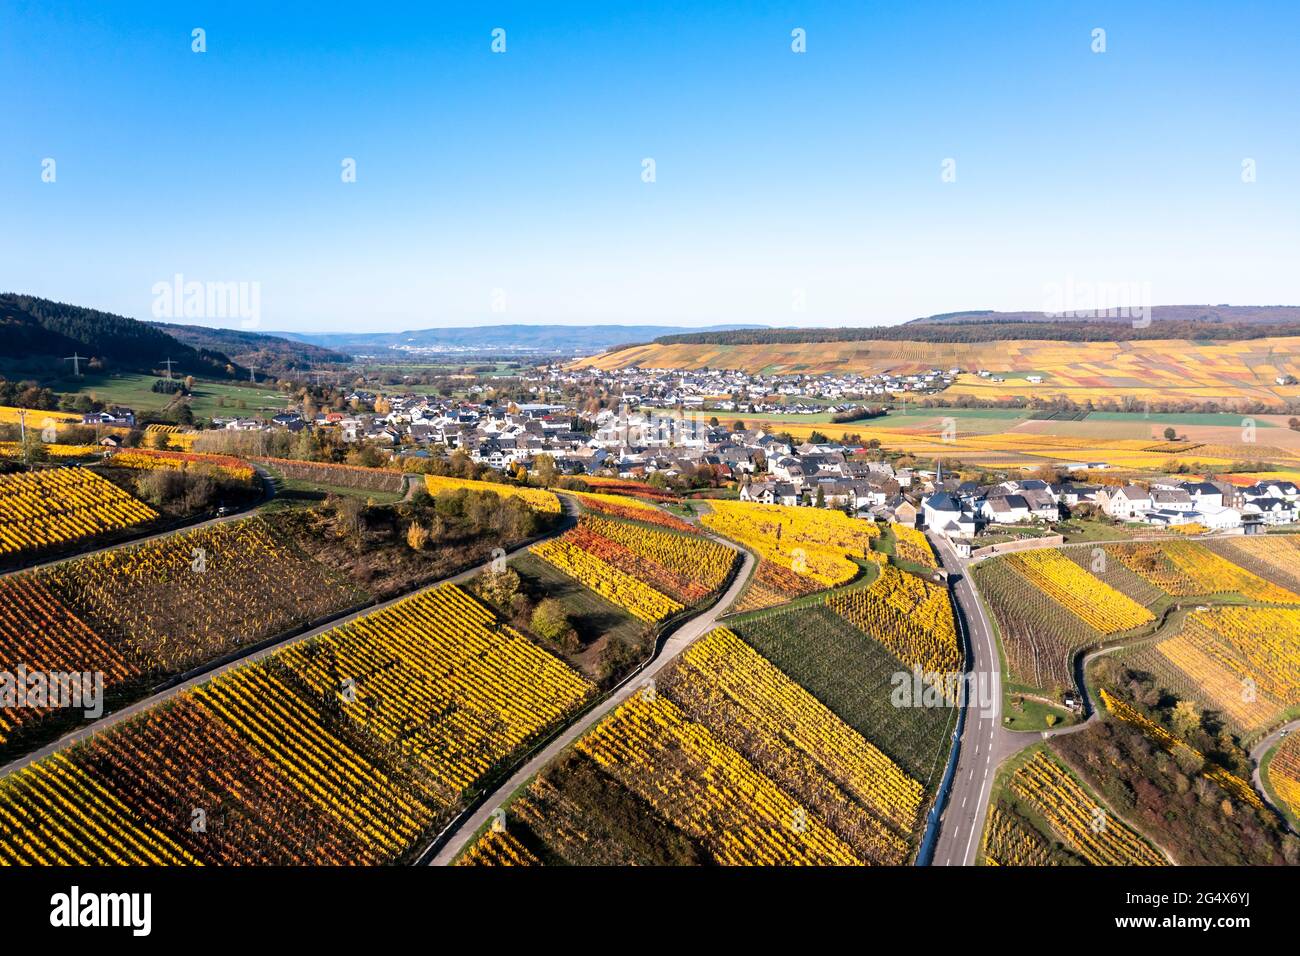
(1156, 369)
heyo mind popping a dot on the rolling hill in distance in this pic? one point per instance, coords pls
(534, 338)
(255, 349)
(1232, 356)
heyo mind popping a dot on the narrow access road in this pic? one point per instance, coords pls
(1257, 754)
(685, 635)
(257, 652)
(984, 744)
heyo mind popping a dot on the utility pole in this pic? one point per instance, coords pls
(76, 361)
(252, 373)
(169, 363)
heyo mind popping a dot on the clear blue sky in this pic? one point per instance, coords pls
(776, 172)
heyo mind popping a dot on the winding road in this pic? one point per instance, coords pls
(1257, 754)
(462, 830)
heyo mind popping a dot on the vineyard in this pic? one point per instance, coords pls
(43, 509)
(1075, 818)
(726, 761)
(338, 476)
(345, 749)
(12, 449)
(146, 459)
(40, 633)
(854, 676)
(1038, 636)
(701, 564)
(1186, 568)
(801, 550)
(908, 615)
(912, 545)
(1284, 773)
(569, 554)
(1094, 602)
(636, 489)
(632, 509)
(1011, 840)
(1241, 661)
(535, 498)
(1274, 557)
(175, 602)
(141, 613)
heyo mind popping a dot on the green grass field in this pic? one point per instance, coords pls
(1177, 418)
(135, 391)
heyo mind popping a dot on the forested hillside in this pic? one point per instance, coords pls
(31, 328)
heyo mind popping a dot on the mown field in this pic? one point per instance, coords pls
(136, 391)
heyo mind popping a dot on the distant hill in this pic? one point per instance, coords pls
(1205, 314)
(1167, 322)
(33, 329)
(497, 338)
(271, 354)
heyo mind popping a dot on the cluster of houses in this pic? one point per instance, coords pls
(1215, 505)
(734, 390)
(961, 511)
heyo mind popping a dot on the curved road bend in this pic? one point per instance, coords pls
(1257, 754)
(677, 642)
(206, 673)
(984, 744)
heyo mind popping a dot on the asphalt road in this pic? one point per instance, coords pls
(677, 641)
(1257, 757)
(984, 744)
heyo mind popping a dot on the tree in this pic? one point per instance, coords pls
(1186, 717)
(544, 470)
(1170, 434)
(351, 513)
(821, 497)
(417, 536)
(550, 621)
(499, 587)
(33, 448)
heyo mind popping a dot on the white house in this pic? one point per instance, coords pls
(1127, 503)
(943, 513)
